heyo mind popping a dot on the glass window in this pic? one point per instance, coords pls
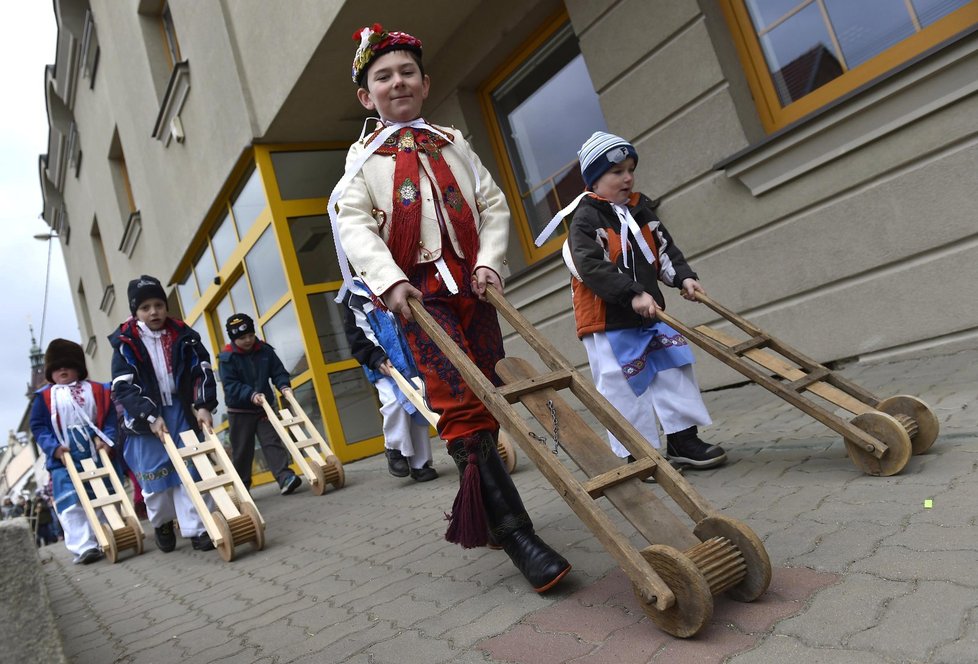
(312, 238)
(220, 414)
(241, 298)
(356, 402)
(305, 394)
(309, 173)
(224, 241)
(265, 271)
(187, 290)
(200, 326)
(541, 153)
(282, 332)
(328, 318)
(248, 203)
(204, 268)
(222, 312)
(793, 48)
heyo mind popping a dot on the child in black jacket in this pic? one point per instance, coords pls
(249, 367)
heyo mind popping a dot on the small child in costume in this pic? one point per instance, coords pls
(161, 374)
(72, 416)
(618, 251)
(420, 217)
(248, 368)
(378, 344)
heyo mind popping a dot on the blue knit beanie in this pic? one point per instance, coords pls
(601, 152)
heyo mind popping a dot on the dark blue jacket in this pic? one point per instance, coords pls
(134, 380)
(43, 430)
(246, 374)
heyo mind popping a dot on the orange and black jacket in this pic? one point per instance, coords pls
(603, 287)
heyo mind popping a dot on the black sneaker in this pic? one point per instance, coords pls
(685, 447)
(166, 539)
(88, 556)
(424, 474)
(202, 542)
(397, 465)
(289, 484)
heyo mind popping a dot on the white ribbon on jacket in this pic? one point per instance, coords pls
(67, 413)
(351, 172)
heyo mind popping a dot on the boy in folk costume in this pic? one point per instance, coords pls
(161, 374)
(437, 234)
(248, 368)
(72, 418)
(618, 252)
(377, 343)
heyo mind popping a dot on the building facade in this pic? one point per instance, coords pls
(815, 160)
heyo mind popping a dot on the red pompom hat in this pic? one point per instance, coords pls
(373, 41)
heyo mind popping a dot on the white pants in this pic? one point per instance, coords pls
(401, 432)
(79, 536)
(175, 503)
(674, 395)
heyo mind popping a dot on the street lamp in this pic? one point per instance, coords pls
(45, 237)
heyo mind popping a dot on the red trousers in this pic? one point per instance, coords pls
(472, 324)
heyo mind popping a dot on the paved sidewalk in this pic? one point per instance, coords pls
(863, 573)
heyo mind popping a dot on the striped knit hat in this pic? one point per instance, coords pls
(601, 152)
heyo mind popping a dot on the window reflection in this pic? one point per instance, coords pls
(265, 271)
(249, 203)
(224, 241)
(204, 269)
(312, 238)
(305, 394)
(282, 332)
(356, 402)
(328, 318)
(188, 293)
(309, 173)
(241, 298)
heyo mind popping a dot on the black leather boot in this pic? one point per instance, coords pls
(509, 524)
(685, 447)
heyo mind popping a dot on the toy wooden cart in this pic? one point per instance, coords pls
(236, 520)
(884, 432)
(414, 390)
(677, 575)
(308, 448)
(121, 530)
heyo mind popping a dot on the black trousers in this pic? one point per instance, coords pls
(242, 428)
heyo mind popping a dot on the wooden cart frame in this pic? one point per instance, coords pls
(882, 435)
(236, 520)
(309, 450)
(677, 575)
(121, 530)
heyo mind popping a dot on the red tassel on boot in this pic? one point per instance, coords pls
(467, 524)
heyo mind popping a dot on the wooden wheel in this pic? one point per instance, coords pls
(888, 430)
(749, 545)
(249, 511)
(319, 482)
(506, 451)
(920, 421)
(335, 474)
(111, 550)
(693, 607)
(133, 524)
(226, 547)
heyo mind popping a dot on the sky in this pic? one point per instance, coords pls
(27, 44)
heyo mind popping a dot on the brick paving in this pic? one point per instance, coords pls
(863, 572)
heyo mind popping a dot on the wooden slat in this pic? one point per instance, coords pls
(557, 380)
(203, 511)
(806, 381)
(106, 500)
(287, 440)
(126, 504)
(750, 344)
(95, 479)
(639, 470)
(205, 468)
(214, 482)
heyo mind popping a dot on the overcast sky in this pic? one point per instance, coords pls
(27, 45)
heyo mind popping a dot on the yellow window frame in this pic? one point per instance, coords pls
(509, 185)
(774, 116)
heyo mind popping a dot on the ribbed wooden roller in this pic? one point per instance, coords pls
(125, 538)
(721, 563)
(331, 473)
(909, 424)
(242, 529)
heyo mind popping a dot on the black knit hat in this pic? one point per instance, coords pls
(64, 354)
(239, 325)
(142, 289)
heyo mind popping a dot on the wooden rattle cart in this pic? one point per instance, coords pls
(236, 520)
(122, 529)
(308, 449)
(677, 575)
(414, 390)
(884, 433)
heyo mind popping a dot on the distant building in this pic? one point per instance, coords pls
(199, 141)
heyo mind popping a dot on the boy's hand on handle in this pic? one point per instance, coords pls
(257, 398)
(483, 278)
(385, 368)
(396, 299)
(286, 392)
(100, 445)
(644, 305)
(60, 452)
(689, 289)
(204, 419)
(158, 427)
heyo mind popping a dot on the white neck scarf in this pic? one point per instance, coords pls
(153, 340)
(68, 414)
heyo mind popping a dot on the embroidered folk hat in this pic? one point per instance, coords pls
(239, 325)
(142, 289)
(601, 152)
(64, 354)
(375, 41)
